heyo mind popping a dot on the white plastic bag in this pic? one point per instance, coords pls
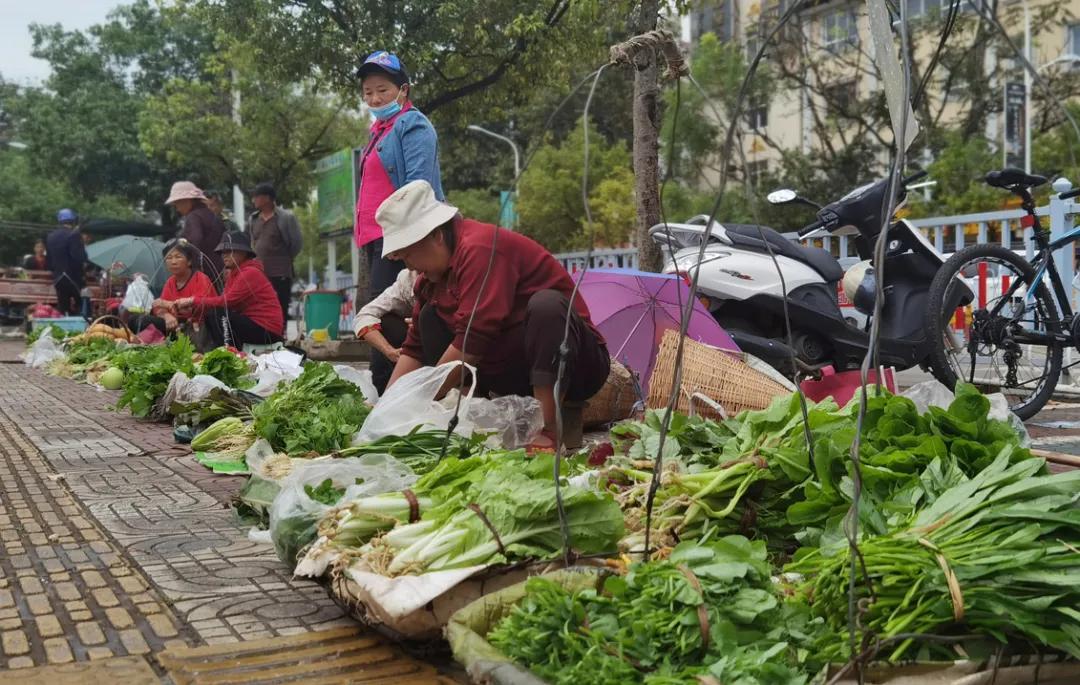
(410, 402)
(294, 516)
(44, 350)
(515, 421)
(361, 379)
(138, 299)
(274, 367)
(185, 390)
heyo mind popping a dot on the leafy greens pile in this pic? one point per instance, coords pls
(709, 611)
(227, 367)
(754, 475)
(317, 412)
(148, 370)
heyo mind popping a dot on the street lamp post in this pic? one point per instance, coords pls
(512, 144)
(517, 160)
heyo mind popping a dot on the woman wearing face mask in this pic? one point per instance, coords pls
(402, 147)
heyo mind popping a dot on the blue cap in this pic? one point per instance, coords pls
(67, 216)
(387, 63)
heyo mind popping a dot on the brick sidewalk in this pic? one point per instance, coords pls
(116, 542)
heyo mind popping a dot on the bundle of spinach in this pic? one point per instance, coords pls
(317, 412)
(148, 370)
(709, 613)
(227, 367)
(996, 555)
(792, 500)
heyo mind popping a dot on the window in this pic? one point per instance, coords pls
(756, 171)
(1072, 44)
(839, 30)
(920, 8)
(713, 16)
(757, 113)
(840, 96)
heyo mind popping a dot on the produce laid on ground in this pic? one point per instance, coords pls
(964, 545)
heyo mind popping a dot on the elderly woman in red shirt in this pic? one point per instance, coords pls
(248, 310)
(518, 302)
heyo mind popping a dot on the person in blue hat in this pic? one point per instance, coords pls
(402, 147)
(65, 255)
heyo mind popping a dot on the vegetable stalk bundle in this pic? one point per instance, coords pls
(509, 514)
(998, 554)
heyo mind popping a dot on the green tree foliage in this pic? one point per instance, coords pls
(284, 130)
(27, 197)
(476, 203)
(550, 204)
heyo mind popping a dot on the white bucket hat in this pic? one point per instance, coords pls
(410, 214)
(184, 190)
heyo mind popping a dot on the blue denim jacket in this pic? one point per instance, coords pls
(410, 151)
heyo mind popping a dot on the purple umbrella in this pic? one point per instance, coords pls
(633, 309)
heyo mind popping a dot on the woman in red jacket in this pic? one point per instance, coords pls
(181, 260)
(247, 311)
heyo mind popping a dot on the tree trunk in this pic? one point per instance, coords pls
(646, 142)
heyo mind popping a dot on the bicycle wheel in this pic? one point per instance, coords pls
(982, 348)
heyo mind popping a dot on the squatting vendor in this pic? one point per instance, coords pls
(520, 311)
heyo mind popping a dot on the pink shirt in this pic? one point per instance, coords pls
(375, 186)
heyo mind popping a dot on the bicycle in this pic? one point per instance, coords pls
(1013, 313)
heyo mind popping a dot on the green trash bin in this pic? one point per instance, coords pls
(322, 309)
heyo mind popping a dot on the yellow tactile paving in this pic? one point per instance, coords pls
(129, 670)
(347, 655)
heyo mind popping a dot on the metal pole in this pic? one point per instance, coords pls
(512, 144)
(517, 157)
(237, 194)
(1027, 90)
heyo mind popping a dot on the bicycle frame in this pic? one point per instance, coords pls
(1044, 265)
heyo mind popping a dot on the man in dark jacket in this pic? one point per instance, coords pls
(275, 235)
(65, 255)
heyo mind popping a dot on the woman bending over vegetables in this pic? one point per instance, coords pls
(517, 300)
(382, 323)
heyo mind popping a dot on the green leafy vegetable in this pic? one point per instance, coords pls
(148, 369)
(227, 367)
(514, 517)
(325, 492)
(318, 412)
(709, 610)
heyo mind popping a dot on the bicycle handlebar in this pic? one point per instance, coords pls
(1069, 194)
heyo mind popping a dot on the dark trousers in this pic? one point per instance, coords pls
(283, 288)
(381, 272)
(68, 297)
(242, 330)
(534, 350)
(142, 321)
(394, 329)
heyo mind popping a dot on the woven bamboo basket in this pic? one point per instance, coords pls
(615, 401)
(709, 374)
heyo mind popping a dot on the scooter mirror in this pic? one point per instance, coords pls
(782, 196)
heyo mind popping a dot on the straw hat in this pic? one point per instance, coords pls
(410, 214)
(184, 190)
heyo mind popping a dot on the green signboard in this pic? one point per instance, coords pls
(337, 195)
